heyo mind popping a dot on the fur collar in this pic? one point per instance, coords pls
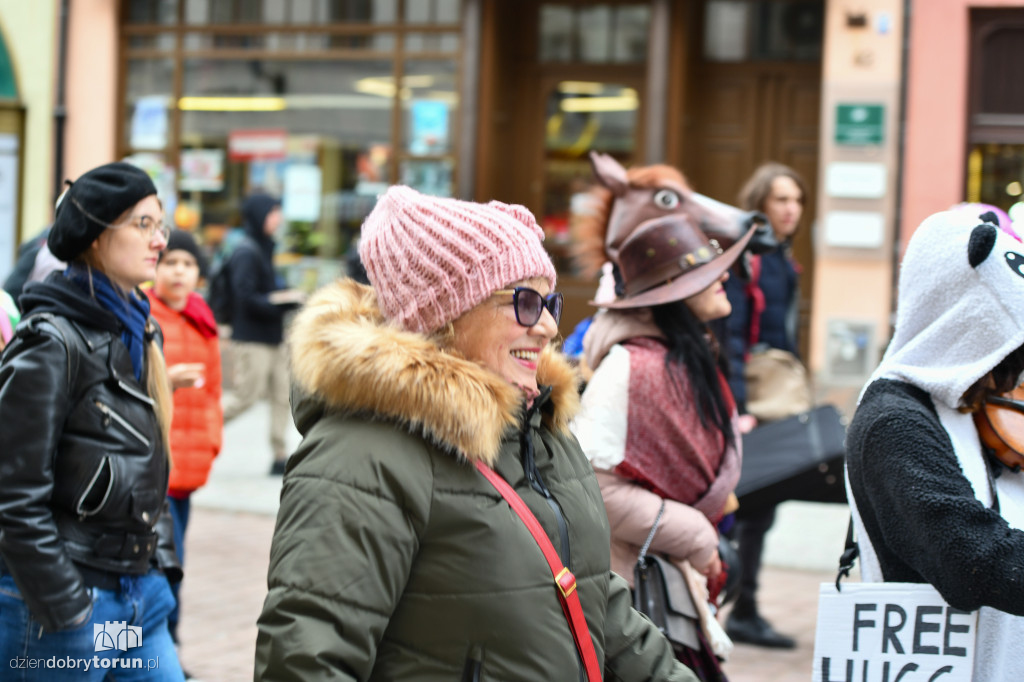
(347, 356)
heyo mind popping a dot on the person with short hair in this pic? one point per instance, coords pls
(259, 304)
(394, 557)
(86, 542)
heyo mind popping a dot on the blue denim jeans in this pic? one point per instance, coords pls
(125, 639)
(180, 508)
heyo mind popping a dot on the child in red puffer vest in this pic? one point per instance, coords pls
(193, 365)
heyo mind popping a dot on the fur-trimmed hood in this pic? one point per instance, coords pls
(345, 356)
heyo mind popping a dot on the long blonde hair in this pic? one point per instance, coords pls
(158, 383)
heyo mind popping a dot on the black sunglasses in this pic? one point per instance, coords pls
(529, 305)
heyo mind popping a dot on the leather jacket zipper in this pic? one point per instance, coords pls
(84, 513)
(122, 422)
(135, 393)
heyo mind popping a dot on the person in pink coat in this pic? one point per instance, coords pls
(658, 421)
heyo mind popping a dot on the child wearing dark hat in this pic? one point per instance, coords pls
(85, 538)
(193, 364)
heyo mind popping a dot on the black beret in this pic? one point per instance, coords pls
(104, 193)
(183, 240)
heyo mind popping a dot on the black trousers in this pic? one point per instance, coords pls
(750, 529)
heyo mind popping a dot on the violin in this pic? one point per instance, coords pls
(1000, 424)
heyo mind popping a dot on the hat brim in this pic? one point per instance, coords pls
(686, 285)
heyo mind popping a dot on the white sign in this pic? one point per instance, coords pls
(202, 170)
(302, 195)
(854, 229)
(855, 180)
(149, 123)
(248, 145)
(891, 631)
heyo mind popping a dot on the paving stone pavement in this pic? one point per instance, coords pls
(226, 565)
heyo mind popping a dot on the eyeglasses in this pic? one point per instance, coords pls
(147, 225)
(529, 305)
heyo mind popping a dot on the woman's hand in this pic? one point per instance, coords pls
(711, 568)
(746, 423)
(186, 375)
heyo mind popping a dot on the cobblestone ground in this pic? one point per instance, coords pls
(226, 565)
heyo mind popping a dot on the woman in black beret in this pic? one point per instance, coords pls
(86, 546)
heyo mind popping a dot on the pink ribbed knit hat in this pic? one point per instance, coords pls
(431, 259)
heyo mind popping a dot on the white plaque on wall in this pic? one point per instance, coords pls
(855, 180)
(855, 229)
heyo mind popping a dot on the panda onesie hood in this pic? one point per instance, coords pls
(921, 490)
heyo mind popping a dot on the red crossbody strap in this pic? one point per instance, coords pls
(564, 579)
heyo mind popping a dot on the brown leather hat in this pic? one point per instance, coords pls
(668, 259)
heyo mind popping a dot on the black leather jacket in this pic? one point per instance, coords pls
(83, 469)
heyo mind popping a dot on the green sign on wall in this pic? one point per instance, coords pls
(860, 124)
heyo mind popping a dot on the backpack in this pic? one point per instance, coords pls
(219, 295)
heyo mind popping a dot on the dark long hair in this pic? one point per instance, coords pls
(693, 350)
(1003, 378)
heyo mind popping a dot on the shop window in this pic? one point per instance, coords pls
(431, 42)
(163, 42)
(205, 12)
(149, 88)
(321, 102)
(429, 102)
(996, 177)
(995, 168)
(432, 12)
(151, 11)
(581, 115)
(596, 34)
(766, 30)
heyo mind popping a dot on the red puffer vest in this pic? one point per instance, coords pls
(198, 422)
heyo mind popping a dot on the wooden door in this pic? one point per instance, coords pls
(744, 114)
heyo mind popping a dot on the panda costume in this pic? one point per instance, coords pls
(928, 505)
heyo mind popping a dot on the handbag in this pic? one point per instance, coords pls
(799, 458)
(660, 592)
(777, 385)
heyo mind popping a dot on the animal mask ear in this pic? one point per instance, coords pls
(989, 217)
(983, 238)
(609, 172)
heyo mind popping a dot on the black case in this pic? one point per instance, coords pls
(799, 458)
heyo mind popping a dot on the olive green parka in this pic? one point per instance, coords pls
(394, 559)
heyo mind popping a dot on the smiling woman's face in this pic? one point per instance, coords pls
(490, 335)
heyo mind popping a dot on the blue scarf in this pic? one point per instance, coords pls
(131, 311)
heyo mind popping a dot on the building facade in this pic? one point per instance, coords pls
(325, 102)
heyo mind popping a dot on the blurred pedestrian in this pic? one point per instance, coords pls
(9, 318)
(394, 557)
(86, 542)
(258, 307)
(658, 419)
(932, 502)
(193, 365)
(765, 314)
(25, 262)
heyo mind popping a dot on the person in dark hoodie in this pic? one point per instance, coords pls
(86, 544)
(258, 307)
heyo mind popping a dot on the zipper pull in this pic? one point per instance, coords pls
(106, 414)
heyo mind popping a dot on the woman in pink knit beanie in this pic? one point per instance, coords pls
(395, 556)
